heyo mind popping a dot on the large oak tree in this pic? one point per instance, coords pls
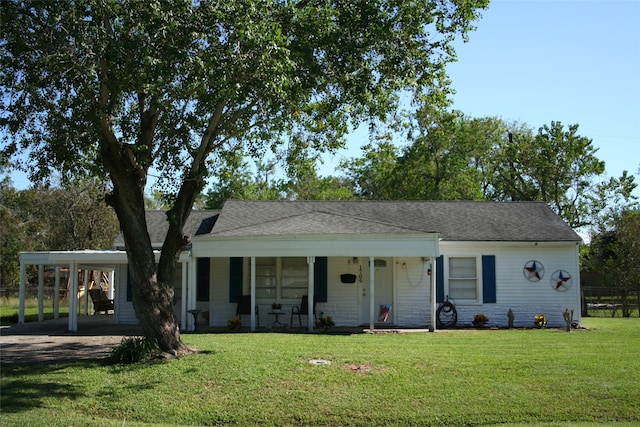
(119, 88)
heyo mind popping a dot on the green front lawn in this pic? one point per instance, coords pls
(464, 377)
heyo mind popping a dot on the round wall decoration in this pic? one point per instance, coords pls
(561, 280)
(533, 270)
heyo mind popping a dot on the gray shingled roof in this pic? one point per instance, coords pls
(199, 222)
(453, 220)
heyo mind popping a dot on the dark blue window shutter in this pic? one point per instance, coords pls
(488, 279)
(203, 267)
(320, 279)
(440, 279)
(235, 278)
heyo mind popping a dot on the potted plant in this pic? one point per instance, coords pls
(324, 323)
(540, 321)
(234, 323)
(479, 320)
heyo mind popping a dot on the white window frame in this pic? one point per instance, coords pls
(477, 279)
(272, 276)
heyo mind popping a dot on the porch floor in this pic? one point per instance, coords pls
(103, 325)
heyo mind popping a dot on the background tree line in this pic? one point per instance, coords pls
(67, 217)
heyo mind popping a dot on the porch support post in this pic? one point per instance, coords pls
(40, 293)
(56, 294)
(183, 296)
(22, 292)
(311, 261)
(372, 293)
(253, 293)
(73, 297)
(191, 293)
(432, 296)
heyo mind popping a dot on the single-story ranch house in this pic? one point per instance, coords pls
(371, 263)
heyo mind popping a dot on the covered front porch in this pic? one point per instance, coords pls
(368, 250)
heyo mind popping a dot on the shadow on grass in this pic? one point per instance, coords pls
(25, 394)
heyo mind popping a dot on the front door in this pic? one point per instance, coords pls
(383, 288)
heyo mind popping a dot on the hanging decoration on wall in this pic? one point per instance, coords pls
(533, 270)
(348, 278)
(561, 280)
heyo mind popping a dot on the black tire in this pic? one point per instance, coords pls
(446, 315)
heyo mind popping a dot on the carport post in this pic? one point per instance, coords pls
(23, 291)
(73, 297)
(40, 293)
(56, 294)
(112, 275)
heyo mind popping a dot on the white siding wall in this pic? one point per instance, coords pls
(342, 298)
(124, 312)
(513, 291)
(412, 306)
(221, 309)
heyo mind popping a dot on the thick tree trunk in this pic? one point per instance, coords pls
(152, 285)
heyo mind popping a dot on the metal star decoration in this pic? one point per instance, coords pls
(533, 270)
(561, 280)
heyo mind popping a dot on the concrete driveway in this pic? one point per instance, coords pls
(50, 342)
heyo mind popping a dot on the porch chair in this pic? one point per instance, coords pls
(303, 309)
(100, 301)
(244, 307)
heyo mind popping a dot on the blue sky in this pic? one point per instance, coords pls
(538, 61)
(577, 62)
